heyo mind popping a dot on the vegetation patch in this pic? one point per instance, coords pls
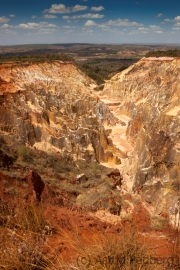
(164, 53)
(24, 153)
(103, 69)
(159, 223)
(31, 58)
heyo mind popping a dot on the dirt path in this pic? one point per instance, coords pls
(120, 142)
(118, 134)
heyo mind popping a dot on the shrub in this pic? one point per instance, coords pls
(24, 153)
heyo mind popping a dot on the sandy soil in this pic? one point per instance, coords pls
(174, 111)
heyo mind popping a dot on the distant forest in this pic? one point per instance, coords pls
(31, 58)
(102, 70)
(170, 53)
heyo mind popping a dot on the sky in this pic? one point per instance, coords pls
(89, 21)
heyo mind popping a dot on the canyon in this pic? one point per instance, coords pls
(100, 159)
(149, 91)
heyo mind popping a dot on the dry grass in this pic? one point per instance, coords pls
(123, 250)
(23, 237)
(26, 244)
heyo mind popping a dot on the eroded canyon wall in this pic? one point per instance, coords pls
(149, 92)
(51, 107)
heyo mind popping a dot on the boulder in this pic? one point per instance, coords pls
(36, 185)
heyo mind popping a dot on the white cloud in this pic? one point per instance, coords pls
(168, 20)
(33, 25)
(85, 16)
(177, 19)
(46, 31)
(33, 17)
(143, 28)
(61, 8)
(90, 23)
(151, 28)
(177, 24)
(176, 28)
(42, 31)
(111, 30)
(97, 8)
(159, 15)
(124, 22)
(5, 25)
(155, 27)
(12, 15)
(104, 27)
(3, 19)
(50, 25)
(47, 16)
(6, 32)
(87, 31)
(28, 26)
(158, 32)
(79, 8)
(68, 26)
(69, 31)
